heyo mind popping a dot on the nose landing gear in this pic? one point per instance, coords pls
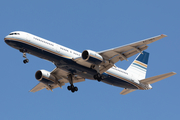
(24, 55)
(25, 61)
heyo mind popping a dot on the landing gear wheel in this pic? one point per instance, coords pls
(75, 88)
(24, 51)
(69, 87)
(98, 77)
(98, 80)
(72, 88)
(25, 61)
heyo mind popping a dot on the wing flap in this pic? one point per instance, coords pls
(59, 73)
(126, 91)
(157, 78)
(133, 52)
(80, 61)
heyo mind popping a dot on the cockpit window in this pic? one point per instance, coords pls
(14, 34)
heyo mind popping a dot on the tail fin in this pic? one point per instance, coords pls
(138, 67)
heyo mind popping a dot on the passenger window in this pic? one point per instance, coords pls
(14, 34)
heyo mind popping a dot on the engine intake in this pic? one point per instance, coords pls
(92, 57)
(44, 76)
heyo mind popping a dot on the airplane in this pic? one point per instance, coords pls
(73, 66)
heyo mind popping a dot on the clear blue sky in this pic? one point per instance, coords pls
(95, 25)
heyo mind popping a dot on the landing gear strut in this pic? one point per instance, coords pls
(25, 60)
(24, 55)
(71, 87)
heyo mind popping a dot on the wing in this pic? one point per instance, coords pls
(62, 77)
(38, 87)
(126, 91)
(124, 52)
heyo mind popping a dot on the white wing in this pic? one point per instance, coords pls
(38, 87)
(112, 56)
(62, 77)
(124, 52)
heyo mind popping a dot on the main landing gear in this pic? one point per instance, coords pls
(24, 55)
(98, 77)
(71, 88)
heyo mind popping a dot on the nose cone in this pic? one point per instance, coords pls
(9, 40)
(6, 39)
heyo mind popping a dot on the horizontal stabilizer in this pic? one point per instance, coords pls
(157, 78)
(126, 91)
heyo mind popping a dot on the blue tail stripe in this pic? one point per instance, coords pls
(144, 57)
(140, 66)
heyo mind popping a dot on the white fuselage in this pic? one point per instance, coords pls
(63, 58)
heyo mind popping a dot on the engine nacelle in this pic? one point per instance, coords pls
(92, 57)
(45, 76)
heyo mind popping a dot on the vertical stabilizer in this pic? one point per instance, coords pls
(138, 67)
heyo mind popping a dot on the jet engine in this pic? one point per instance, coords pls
(45, 76)
(92, 57)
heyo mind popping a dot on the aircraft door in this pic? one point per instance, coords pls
(58, 48)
